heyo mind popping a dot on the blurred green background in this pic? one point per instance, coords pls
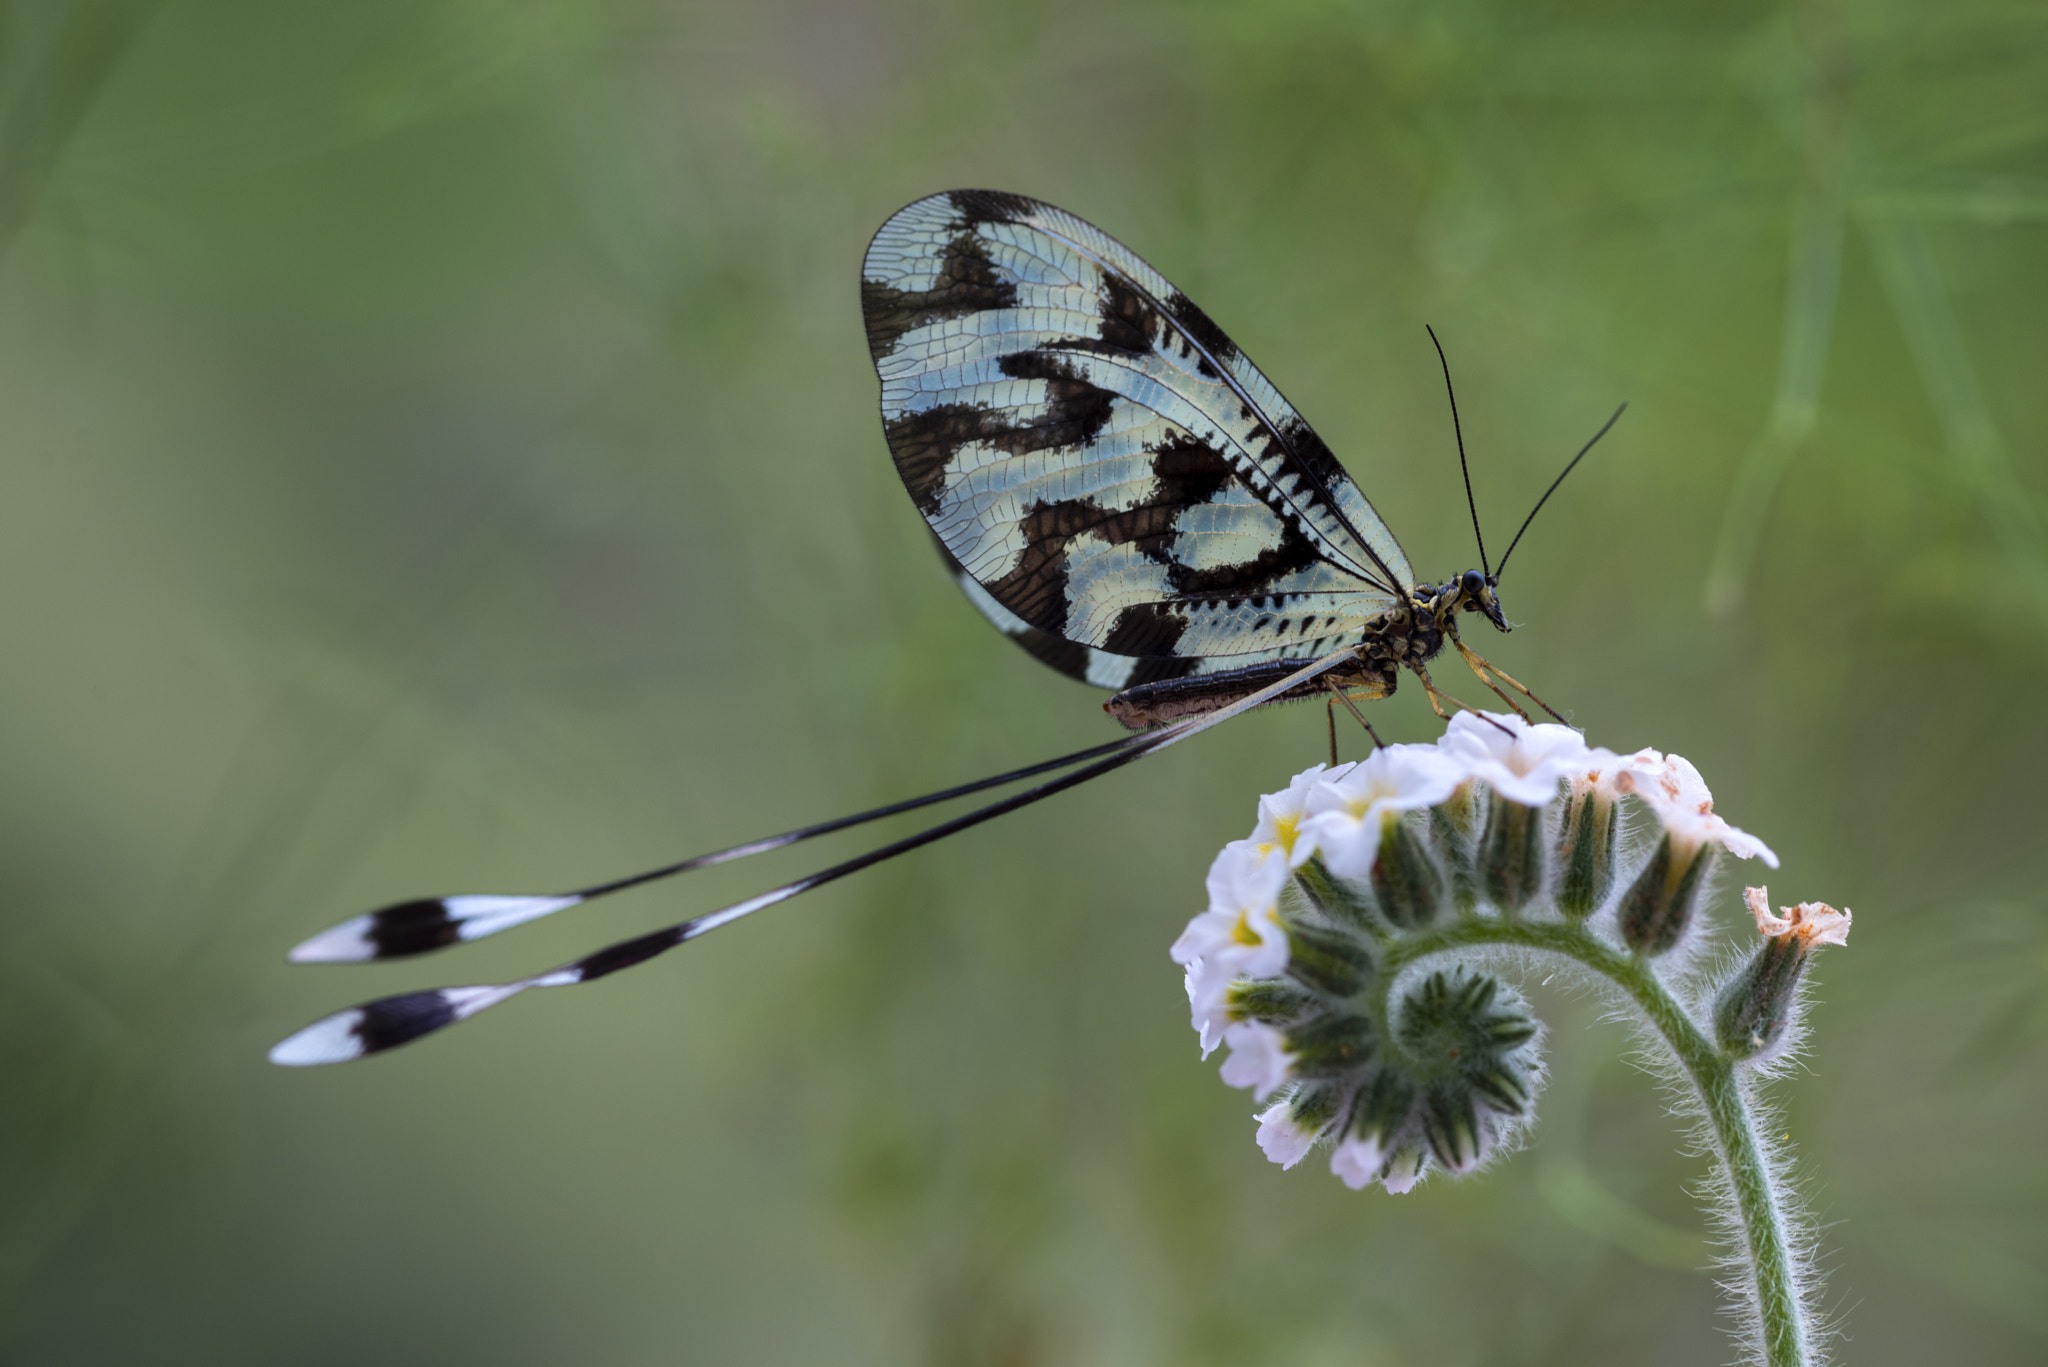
(438, 452)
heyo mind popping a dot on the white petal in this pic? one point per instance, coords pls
(1759, 902)
(1269, 958)
(1208, 986)
(1280, 814)
(1347, 816)
(1283, 1141)
(1258, 1058)
(1743, 845)
(1405, 1172)
(1204, 935)
(1521, 762)
(1224, 872)
(1527, 790)
(1480, 731)
(1357, 1162)
(1245, 878)
(1822, 924)
(1348, 844)
(1817, 923)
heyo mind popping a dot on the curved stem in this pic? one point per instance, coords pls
(1760, 1206)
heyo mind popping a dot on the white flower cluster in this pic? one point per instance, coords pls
(1354, 821)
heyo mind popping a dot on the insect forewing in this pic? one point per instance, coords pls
(1097, 456)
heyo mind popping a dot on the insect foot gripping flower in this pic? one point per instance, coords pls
(1757, 1005)
(1350, 952)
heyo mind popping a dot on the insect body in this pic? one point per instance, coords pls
(1409, 636)
(1115, 487)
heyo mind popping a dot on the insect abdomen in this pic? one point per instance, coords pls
(1155, 704)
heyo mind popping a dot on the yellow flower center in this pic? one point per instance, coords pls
(1285, 828)
(1358, 805)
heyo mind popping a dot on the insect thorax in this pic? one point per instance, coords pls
(1409, 636)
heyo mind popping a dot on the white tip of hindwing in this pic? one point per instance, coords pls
(347, 943)
(336, 1039)
(481, 914)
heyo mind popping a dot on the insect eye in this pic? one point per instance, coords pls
(1475, 583)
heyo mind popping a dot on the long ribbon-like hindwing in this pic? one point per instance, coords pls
(429, 923)
(391, 1021)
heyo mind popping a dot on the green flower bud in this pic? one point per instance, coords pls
(1403, 1171)
(1450, 831)
(1331, 1046)
(1407, 882)
(1334, 898)
(1380, 1112)
(1314, 1105)
(1511, 854)
(1755, 1009)
(1657, 909)
(1587, 836)
(1328, 960)
(1272, 1000)
(1381, 1108)
(1756, 1005)
(1450, 1124)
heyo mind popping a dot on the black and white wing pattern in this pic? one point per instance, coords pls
(1131, 498)
(1076, 661)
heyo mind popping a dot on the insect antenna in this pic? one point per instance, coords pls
(424, 924)
(1463, 469)
(1553, 487)
(391, 1021)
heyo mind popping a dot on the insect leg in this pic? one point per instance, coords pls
(1482, 667)
(1486, 679)
(1338, 695)
(1437, 698)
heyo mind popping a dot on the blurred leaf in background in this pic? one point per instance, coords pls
(438, 451)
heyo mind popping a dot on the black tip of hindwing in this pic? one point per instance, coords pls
(393, 1021)
(407, 928)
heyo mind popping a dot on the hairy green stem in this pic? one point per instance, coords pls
(1760, 1206)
